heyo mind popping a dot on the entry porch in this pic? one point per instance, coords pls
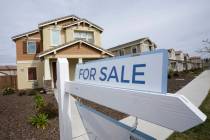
(75, 52)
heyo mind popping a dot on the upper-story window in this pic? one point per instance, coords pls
(87, 36)
(55, 37)
(134, 50)
(31, 47)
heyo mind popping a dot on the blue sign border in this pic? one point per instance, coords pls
(164, 81)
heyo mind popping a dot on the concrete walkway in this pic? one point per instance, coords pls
(196, 91)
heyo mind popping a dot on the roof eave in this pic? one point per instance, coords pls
(54, 21)
(92, 25)
(59, 48)
(24, 34)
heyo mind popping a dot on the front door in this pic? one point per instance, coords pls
(54, 73)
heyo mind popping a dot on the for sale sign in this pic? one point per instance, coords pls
(146, 72)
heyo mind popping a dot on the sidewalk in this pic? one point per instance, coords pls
(195, 91)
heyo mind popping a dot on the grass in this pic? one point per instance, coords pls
(200, 132)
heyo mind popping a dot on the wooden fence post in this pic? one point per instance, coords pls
(64, 100)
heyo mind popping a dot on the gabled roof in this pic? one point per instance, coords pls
(25, 34)
(60, 47)
(84, 21)
(131, 43)
(53, 21)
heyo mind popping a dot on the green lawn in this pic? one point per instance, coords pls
(200, 132)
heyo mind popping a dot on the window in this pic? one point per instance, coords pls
(122, 52)
(31, 47)
(55, 37)
(134, 50)
(87, 36)
(32, 73)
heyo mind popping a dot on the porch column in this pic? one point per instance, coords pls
(47, 76)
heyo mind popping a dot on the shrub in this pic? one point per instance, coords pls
(50, 109)
(40, 120)
(21, 92)
(8, 91)
(39, 102)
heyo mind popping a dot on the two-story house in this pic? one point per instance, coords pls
(70, 37)
(196, 61)
(136, 46)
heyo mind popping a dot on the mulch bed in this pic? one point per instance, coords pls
(15, 110)
(14, 113)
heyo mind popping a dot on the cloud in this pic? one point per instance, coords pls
(170, 24)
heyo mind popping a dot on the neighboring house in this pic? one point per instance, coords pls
(136, 46)
(70, 37)
(196, 61)
(8, 70)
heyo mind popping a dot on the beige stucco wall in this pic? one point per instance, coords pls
(96, 33)
(22, 74)
(67, 35)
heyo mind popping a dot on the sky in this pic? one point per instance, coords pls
(177, 24)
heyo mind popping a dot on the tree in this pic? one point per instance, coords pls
(206, 48)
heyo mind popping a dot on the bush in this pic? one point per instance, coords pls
(40, 120)
(21, 92)
(8, 91)
(39, 102)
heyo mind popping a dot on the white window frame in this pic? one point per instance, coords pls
(135, 47)
(85, 31)
(51, 36)
(35, 47)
